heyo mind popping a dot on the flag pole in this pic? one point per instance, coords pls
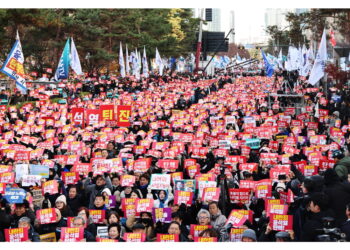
(199, 43)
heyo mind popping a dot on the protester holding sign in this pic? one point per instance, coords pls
(25, 222)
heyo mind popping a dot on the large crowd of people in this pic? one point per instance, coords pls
(203, 159)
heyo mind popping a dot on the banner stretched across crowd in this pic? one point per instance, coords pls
(175, 159)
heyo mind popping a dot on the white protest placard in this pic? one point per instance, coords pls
(160, 181)
(30, 180)
(205, 184)
(21, 169)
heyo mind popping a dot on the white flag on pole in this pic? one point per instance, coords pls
(121, 61)
(127, 64)
(280, 60)
(159, 62)
(144, 63)
(317, 71)
(317, 111)
(75, 62)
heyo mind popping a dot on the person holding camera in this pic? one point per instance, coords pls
(316, 210)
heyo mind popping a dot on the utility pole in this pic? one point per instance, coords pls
(199, 43)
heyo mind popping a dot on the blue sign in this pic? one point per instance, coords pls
(41, 170)
(253, 143)
(15, 195)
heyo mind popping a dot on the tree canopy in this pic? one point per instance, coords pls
(97, 34)
(313, 21)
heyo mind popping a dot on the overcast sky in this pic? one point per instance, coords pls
(248, 22)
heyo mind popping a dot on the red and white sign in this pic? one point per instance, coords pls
(195, 230)
(276, 209)
(263, 188)
(250, 167)
(16, 234)
(123, 115)
(211, 194)
(236, 218)
(93, 117)
(236, 234)
(97, 216)
(50, 187)
(72, 234)
(167, 238)
(78, 116)
(127, 180)
(239, 194)
(70, 177)
(82, 168)
(183, 197)
(134, 237)
(281, 222)
(7, 177)
(144, 205)
(46, 216)
(168, 165)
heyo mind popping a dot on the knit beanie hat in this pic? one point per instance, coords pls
(108, 191)
(62, 198)
(249, 233)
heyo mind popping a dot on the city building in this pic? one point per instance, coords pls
(215, 25)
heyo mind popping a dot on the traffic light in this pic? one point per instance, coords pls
(209, 15)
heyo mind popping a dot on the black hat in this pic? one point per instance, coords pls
(25, 203)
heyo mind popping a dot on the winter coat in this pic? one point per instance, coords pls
(217, 221)
(29, 213)
(92, 190)
(131, 221)
(75, 203)
(32, 235)
(313, 222)
(52, 228)
(339, 196)
(157, 203)
(342, 168)
(345, 228)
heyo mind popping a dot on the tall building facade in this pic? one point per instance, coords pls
(215, 25)
(277, 17)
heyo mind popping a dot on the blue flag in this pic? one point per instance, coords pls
(13, 66)
(268, 67)
(63, 65)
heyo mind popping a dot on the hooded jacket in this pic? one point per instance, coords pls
(163, 203)
(93, 189)
(342, 168)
